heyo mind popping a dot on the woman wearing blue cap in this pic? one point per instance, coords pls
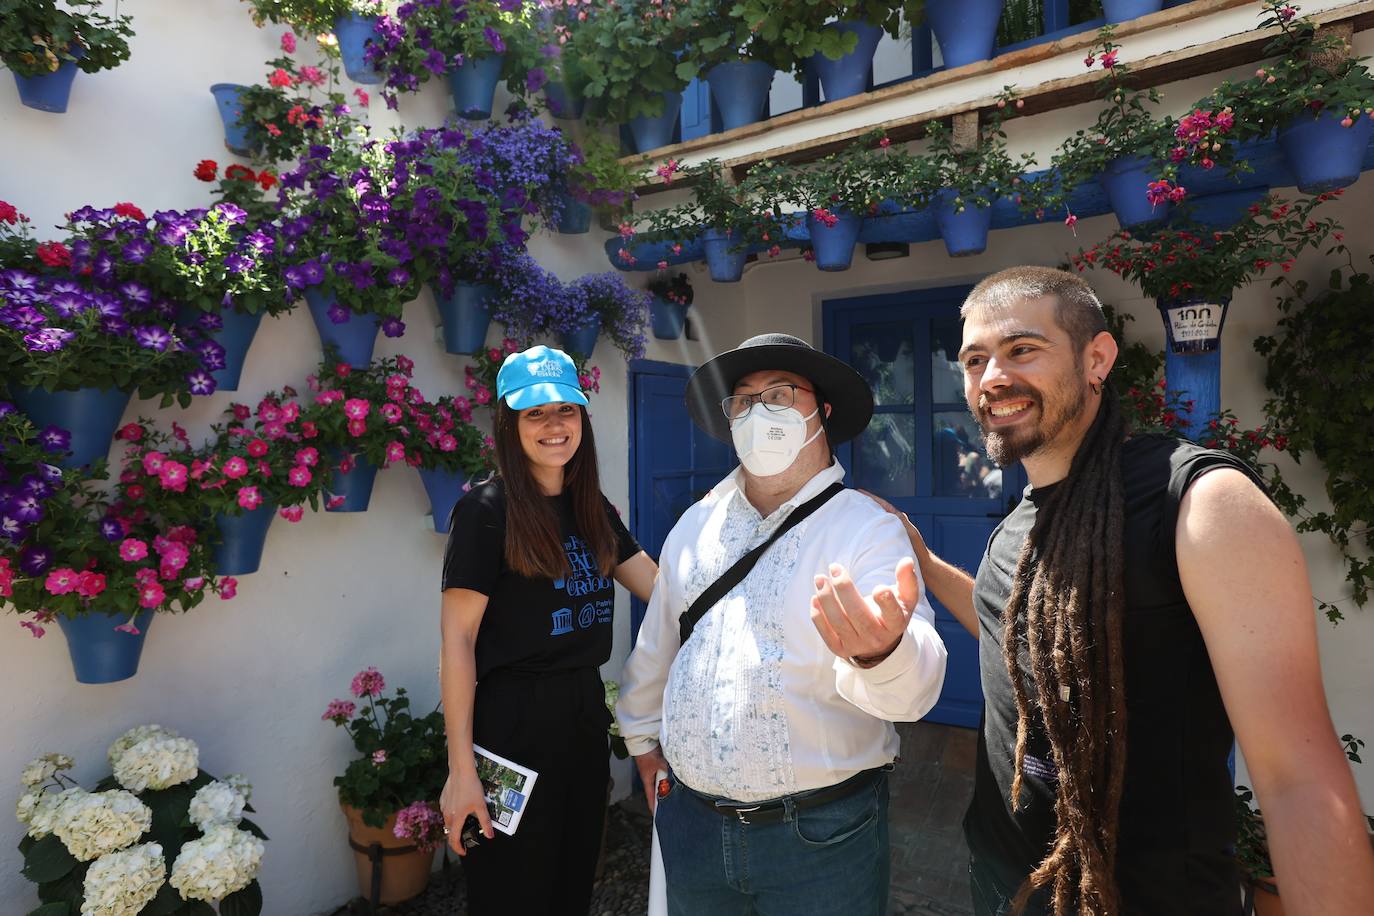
(528, 595)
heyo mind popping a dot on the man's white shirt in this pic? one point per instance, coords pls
(755, 705)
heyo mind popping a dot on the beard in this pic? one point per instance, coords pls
(1057, 409)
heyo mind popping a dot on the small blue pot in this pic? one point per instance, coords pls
(564, 104)
(354, 32)
(847, 75)
(100, 653)
(235, 336)
(966, 29)
(1126, 182)
(651, 133)
(1125, 10)
(355, 487)
(1322, 154)
(355, 339)
(582, 340)
(241, 539)
(575, 217)
(474, 85)
(235, 134)
(725, 265)
(966, 232)
(466, 317)
(834, 245)
(47, 91)
(740, 89)
(91, 415)
(444, 489)
(667, 318)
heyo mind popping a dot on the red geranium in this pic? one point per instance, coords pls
(54, 254)
(266, 179)
(8, 213)
(130, 211)
(241, 172)
(207, 170)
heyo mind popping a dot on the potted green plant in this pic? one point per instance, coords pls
(389, 792)
(158, 835)
(962, 182)
(343, 24)
(604, 302)
(600, 183)
(43, 45)
(1318, 97)
(98, 565)
(1127, 149)
(668, 310)
(629, 55)
(475, 43)
(447, 450)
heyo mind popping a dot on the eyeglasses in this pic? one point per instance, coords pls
(778, 397)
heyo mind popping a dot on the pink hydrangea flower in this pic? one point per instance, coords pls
(131, 550)
(368, 683)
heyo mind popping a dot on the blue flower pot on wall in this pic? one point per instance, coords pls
(667, 318)
(848, 75)
(100, 653)
(47, 91)
(651, 133)
(355, 338)
(1322, 154)
(965, 230)
(355, 486)
(575, 216)
(1125, 10)
(582, 340)
(1126, 182)
(235, 335)
(564, 104)
(966, 29)
(466, 317)
(474, 85)
(353, 32)
(91, 415)
(241, 539)
(444, 489)
(740, 89)
(235, 134)
(834, 245)
(725, 265)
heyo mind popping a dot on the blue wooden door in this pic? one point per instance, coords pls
(923, 451)
(673, 463)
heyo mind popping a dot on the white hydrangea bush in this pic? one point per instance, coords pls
(93, 850)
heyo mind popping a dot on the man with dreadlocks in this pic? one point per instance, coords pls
(1144, 597)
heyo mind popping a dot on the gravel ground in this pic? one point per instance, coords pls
(622, 891)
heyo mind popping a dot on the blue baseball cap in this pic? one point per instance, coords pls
(539, 375)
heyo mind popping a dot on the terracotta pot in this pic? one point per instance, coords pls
(1267, 902)
(405, 869)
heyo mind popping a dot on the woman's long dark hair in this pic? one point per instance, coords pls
(534, 542)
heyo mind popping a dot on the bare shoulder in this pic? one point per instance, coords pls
(1223, 503)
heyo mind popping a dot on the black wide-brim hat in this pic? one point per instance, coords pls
(844, 389)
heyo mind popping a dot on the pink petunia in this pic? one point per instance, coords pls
(228, 587)
(235, 468)
(61, 581)
(395, 451)
(308, 430)
(249, 498)
(131, 550)
(357, 427)
(391, 413)
(89, 584)
(299, 476)
(290, 412)
(6, 578)
(292, 514)
(405, 363)
(257, 448)
(193, 583)
(241, 412)
(151, 594)
(128, 627)
(447, 443)
(361, 96)
(173, 476)
(357, 408)
(308, 456)
(334, 502)
(152, 462)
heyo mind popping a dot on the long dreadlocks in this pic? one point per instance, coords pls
(1066, 606)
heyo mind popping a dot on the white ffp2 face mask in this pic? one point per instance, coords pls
(767, 441)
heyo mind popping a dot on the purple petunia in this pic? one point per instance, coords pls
(200, 383)
(136, 251)
(35, 560)
(153, 337)
(7, 408)
(393, 327)
(12, 528)
(135, 294)
(66, 304)
(339, 314)
(498, 45)
(230, 213)
(209, 322)
(52, 472)
(54, 439)
(27, 509)
(535, 79)
(238, 264)
(24, 318)
(211, 355)
(48, 340)
(111, 530)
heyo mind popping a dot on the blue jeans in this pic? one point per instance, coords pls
(823, 861)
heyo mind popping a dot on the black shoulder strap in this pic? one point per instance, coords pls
(736, 573)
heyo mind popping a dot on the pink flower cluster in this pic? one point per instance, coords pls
(825, 217)
(1199, 134)
(368, 683)
(1163, 190)
(339, 711)
(422, 823)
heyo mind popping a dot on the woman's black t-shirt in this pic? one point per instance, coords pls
(1177, 811)
(532, 624)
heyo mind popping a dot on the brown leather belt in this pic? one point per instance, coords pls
(775, 811)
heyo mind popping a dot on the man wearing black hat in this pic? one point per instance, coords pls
(763, 681)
